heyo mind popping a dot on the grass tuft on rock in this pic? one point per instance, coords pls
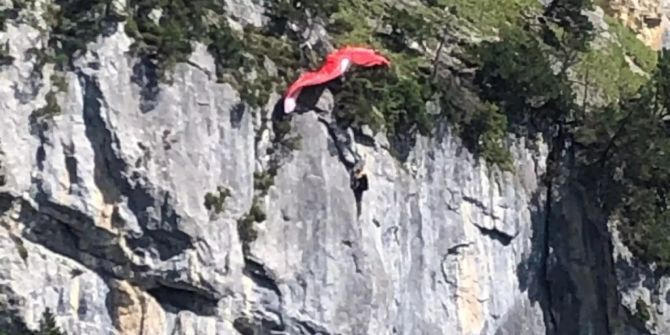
(215, 201)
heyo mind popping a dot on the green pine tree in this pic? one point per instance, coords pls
(568, 30)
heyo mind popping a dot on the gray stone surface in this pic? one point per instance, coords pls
(115, 183)
(34, 278)
(119, 180)
(639, 282)
(442, 247)
(246, 11)
(103, 219)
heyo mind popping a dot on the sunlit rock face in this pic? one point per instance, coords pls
(649, 18)
(104, 215)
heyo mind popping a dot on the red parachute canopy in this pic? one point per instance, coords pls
(335, 65)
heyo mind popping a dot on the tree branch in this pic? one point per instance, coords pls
(611, 145)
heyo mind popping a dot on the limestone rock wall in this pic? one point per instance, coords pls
(103, 217)
(104, 223)
(649, 18)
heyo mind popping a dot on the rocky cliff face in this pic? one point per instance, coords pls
(109, 218)
(109, 227)
(648, 17)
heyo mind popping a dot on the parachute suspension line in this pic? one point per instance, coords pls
(335, 66)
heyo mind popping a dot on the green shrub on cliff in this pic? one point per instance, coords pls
(164, 30)
(73, 24)
(523, 80)
(625, 152)
(515, 74)
(621, 149)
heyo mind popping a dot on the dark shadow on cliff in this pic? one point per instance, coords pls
(534, 271)
(11, 322)
(631, 273)
(339, 140)
(5, 202)
(145, 76)
(176, 300)
(307, 101)
(236, 115)
(153, 208)
(578, 275)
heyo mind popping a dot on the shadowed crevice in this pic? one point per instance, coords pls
(175, 300)
(496, 235)
(261, 276)
(305, 327)
(145, 76)
(236, 115)
(152, 208)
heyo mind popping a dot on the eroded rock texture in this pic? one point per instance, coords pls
(105, 201)
(103, 218)
(649, 18)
